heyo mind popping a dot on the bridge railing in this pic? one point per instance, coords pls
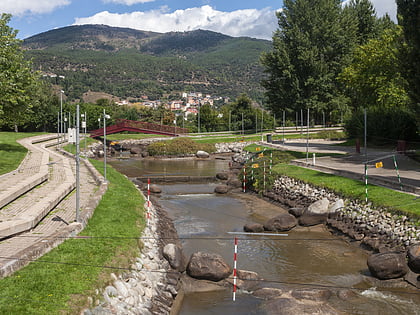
(131, 125)
(124, 123)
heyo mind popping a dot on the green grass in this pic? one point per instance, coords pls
(60, 281)
(354, 189)
(11, 152)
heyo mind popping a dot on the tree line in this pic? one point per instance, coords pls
(342, 60)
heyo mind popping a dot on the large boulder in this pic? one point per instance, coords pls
(175, 256)
(386, 266)
(254, 228)
(413, 255)
(222, 175)
(155, 189)
(221, 189)
(336, 206)
(281, 223)
(308, 219)
(208, 267)
(202, 154)
(234, 182)
(246, 280)
(319, 207)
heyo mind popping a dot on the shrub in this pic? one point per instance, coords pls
(179, 146)
(384, 125)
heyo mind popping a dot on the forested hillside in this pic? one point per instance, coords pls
(130, 63)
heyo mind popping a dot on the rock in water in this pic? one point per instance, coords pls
(386, 266)
(319, 207)
(281, 223)
(221, 189)
(208, 267)
(413, 254)
(174, 255)
(202, 154)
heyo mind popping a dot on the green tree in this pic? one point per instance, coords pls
(17, 81)
(374, 78)
(208, 118)
(310, 48)
(409, 19)
(364, 14)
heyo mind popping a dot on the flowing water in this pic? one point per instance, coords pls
(305, 256)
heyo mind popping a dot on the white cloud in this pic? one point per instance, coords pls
(127, 2)
(21, 7)
(250, 22)
(382, 7)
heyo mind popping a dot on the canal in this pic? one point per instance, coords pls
(306, 258)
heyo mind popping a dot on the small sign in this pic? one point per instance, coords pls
(261, 155)
(83, 124)
(379, 165)
(71, 133)
(257, 149)
(255, 165)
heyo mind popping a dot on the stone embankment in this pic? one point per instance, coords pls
(394, 239)
(150, 285)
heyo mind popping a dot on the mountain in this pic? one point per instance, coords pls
(130, 63)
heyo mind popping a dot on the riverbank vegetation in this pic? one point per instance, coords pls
(178, 146)
(61, 280)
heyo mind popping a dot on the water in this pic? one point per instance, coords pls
(305, 256)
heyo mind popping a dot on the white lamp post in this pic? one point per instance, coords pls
(105, 117)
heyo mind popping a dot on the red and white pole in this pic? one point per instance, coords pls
(148, 199)
(244, 180)
(234, 268)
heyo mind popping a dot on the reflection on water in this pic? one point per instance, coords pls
(304, 257)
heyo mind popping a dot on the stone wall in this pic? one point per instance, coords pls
(377, 228)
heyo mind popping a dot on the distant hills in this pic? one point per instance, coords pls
(129, 63)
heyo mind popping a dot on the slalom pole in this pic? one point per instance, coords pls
(366, 181)
(398, 172)
(264, 176)
(271, 161)
(252, 169)
(148, 200)
(244, 179)
(234, 268)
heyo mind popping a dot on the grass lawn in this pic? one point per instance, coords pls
(379, 196)
(61, 280)
(11, 152)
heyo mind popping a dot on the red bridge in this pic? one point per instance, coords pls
(139, 126)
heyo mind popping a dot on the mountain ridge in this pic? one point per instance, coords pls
(104, 58)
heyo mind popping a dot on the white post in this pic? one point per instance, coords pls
(105, 145)
(77, 164)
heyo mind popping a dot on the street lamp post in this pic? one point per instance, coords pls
(105, 117)
(61, 113)
(77, 164)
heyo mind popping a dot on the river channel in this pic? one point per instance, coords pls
(305, 256)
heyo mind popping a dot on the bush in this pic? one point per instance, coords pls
(384, 125)
(179, 146)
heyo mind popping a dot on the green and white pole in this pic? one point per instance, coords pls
(398, 172)
(264, 176)
(271, 161)
(366, 181)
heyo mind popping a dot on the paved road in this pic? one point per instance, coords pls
(352, 163)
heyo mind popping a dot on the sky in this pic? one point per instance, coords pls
(253, 18)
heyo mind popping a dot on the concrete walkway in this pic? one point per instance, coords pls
(352, 164)
(37, 206)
